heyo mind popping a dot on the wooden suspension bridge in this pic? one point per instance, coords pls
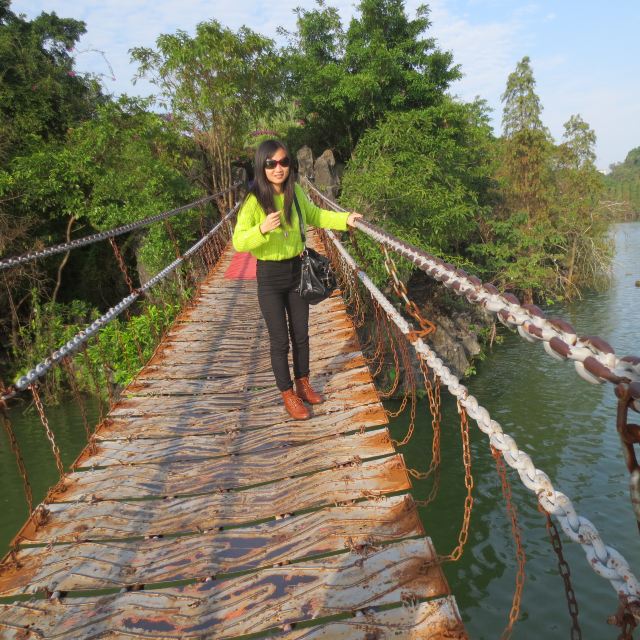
(201, 510)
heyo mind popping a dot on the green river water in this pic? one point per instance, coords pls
(564, 423)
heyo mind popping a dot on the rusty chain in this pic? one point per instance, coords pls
(82, 337)
(132, 290)
(122, 265)
(463, 536)
(94, 379)
(433, 395)
(565, 572)
(514, 613)
(426, 326)
(15, 447)
(47, 428)
(629, 398)
(67, 363)
(627, 617)
(594, 359)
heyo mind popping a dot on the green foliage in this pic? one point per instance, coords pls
(623, 188)
(216, 84)
(423, 175)
(345, 82)
(121, 350)
(40, 93)
(543, 235)
(122, 343)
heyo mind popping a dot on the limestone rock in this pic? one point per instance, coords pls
(305, 162)
(326, 179)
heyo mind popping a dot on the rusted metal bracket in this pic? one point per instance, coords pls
(629, 398)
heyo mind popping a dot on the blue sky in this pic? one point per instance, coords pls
(585, 55)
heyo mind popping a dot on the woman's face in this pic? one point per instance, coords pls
(278, 174)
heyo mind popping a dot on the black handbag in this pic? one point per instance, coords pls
(317, 280)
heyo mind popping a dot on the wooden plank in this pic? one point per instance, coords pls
(95, 565)
(434, 620)
(233, 442)
(341, 420)
(252, 603)
(245, 387)
(185, 478)
(108, 519)
(249, 401)
(169, 369)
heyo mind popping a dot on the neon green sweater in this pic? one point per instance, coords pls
(283, 242)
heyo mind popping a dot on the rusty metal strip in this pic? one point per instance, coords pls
(165, 426)
(111, 519)
(249, 604)
(434, 620)
(95, 565)
(184, 478)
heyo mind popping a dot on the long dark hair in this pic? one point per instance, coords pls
(262, 189)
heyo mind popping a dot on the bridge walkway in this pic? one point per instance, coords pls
(201, 510)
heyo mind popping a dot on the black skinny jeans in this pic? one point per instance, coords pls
(286, 315)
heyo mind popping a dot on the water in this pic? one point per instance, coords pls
(564, 423)
(568, 428)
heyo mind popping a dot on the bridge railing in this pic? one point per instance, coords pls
(595, 361)
(195, 263)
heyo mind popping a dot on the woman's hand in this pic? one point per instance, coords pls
(351, 220)
(271, 222)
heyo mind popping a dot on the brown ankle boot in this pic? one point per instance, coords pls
(294, 406)
(304, 391)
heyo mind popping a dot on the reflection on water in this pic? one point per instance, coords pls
(568, 428)
(564, 423)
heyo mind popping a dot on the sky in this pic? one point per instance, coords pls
(585, 54)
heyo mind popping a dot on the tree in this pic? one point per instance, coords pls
(41, 95)
(623, 188)
(579, 218)
(346, 82)
(216, 85)
(423, 175)
(515, 236)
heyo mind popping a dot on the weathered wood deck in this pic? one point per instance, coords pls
(236, 519)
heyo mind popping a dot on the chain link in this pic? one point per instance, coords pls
(67, 363)
(47, 428)
(463, 536)
(594, 359)
(426, 326)
(82, 337)
(15, 447)
(565, 572)
(629, 398)
(514, 613)
(603, 559)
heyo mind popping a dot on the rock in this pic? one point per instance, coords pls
(326, 179)
(637, 283)
(305, 162)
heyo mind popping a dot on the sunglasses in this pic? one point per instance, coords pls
(270, 163)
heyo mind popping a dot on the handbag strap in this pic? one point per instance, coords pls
(304, 238)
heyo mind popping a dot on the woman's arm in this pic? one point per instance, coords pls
(247, 235)
(317, 217)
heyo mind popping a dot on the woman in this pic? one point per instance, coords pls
(268, 228)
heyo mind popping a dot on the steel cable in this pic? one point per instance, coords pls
(7, 263)
(82, 337)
